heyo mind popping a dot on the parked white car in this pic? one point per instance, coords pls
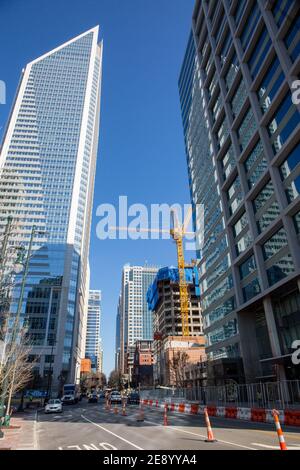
(54, 406)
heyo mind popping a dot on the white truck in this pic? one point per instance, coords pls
(71, 394)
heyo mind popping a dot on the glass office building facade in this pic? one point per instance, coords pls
(242, 138)
(93, 342)
(135, 318)
(47, 164)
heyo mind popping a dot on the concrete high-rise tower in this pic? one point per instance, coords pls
(47, 172)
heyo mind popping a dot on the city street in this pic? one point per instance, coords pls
(91, 427)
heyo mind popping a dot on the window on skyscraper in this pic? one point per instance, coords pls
(284, 121)
(296, 219)
(213, 84)
(279, 263)
(232, 71)
(247, 267)
(292, 38)
(251, 290)
(259, 52)
(217, 107)
(240, 6)
(280, 10)
(222, 132)
(266, 207)
(250, 25)
(270, 84)
(234, 195)
(242, 235)
(246, 129)
(238, 98)
(227, 42)
(228, 162)
(290, 174)
(255, 164)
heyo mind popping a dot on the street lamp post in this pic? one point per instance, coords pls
(49, 385)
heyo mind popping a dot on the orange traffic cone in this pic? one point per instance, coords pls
(166, 415)
(210, 435)
(280, 435)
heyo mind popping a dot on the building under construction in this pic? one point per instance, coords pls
(164, 301)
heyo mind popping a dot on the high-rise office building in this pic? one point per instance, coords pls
(135, 316)
(242, 138)
(118, 336)
(93, 342)
(47, 165)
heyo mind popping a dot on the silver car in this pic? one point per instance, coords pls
(54, 406)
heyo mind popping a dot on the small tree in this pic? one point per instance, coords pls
(176, 367)
(15, 370)
(115, 379)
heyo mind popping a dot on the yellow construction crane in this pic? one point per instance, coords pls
(177, 232)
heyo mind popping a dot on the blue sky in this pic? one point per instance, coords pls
(141, 149)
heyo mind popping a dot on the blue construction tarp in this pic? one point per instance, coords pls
(172, 274)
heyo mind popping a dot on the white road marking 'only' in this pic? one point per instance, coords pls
(104, 445)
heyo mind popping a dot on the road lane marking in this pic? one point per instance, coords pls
(266, 446)
(112, 433)
(194, 434)
(199, 435)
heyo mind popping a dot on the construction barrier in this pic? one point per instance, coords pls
(166, 415)
(289, 417)
(231, 412)
(220, 411)
(244, 414)
(292, 418)
(181, 407)
(280, 435)
(258, 415)
(212, 410)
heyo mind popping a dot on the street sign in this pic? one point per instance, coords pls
(36, 393)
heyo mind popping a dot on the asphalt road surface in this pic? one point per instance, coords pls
(90, 427)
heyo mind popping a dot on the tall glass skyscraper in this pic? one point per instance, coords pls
(135, 317)
(47, 164)
(93, 342)
(242, 138)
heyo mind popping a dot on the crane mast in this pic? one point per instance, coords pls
(183, 289)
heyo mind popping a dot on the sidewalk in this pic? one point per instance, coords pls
(24, 437)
